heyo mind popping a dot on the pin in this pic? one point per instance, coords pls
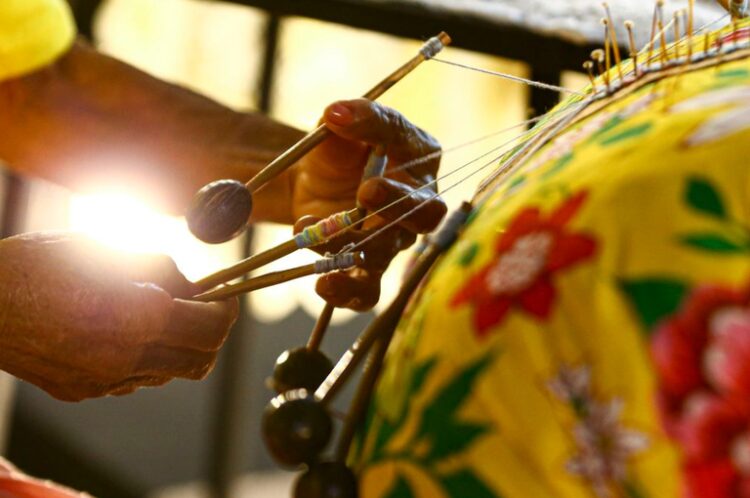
(629, 25)
(589, 67)
(654, 26)
(598, 56)
(613, 39)
(607, 43)
(663, 48)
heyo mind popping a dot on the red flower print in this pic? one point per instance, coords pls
(702, 361)
(527, 255)
(680, 345)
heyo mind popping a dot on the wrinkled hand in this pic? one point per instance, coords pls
(80, 320)
(328, 181)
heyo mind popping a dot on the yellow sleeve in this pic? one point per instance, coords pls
(33, 33)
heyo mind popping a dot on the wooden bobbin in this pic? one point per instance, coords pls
(221, 209)
(321, 326)
(276, 278)
(261, 259)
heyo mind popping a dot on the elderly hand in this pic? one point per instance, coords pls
(81, 321)
(327, 181)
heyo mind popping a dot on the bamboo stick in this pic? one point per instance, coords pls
(279, 277)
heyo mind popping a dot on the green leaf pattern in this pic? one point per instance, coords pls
(441, 430)
(731, 238)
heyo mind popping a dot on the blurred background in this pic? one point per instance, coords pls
(288, 59)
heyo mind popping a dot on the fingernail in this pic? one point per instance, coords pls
(339, 114)
(373, 193)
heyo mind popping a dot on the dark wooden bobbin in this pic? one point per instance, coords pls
(305, 367)
(293, 411)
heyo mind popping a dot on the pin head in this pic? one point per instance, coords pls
(219, 211)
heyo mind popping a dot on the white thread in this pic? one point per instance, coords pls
(431, 48)
(518, 79)
(571, 111)
(436, 154)
(563, 122)
(433, 182)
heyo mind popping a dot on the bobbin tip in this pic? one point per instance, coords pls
(444, 38)
(629, 24)
(598, 54)
(604, 21)
(219, 211)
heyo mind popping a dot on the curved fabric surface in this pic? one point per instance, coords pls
(589, 333)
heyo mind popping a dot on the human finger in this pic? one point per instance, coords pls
(375, 124)
(134, 383)
(357, 289)
(157, 360)
(394, 199)
(160, 270)
(199, 326)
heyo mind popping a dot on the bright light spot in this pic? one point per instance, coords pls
(126, 223)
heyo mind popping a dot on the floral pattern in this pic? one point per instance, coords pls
(639, 386)
(604, 445)
(527, 255)
(702, 358)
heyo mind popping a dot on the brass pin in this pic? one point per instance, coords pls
(607, 44)
(663, 40)
(598, 56)
(613, 38)
(652, 40)
(629, 26)
(589, 67)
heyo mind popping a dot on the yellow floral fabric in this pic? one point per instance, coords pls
(33, 33)
(566, 345)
